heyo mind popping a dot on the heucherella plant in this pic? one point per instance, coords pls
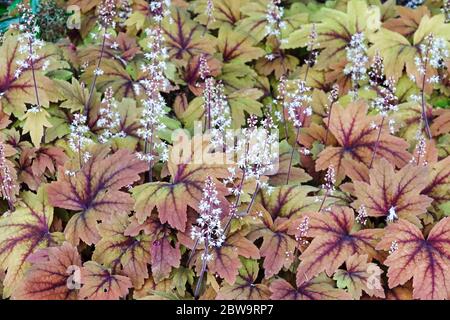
(208, 231)
(140, 156)
(109, 118)
(107, 13)
(432, 56)
(357, 61)
(7, 187)
(79, 139)
(385, 102)
(154, 105)
(216, 107)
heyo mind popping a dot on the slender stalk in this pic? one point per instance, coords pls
(323, 200)
(422, 94)
(253, 198)
(34, 76)
(377, 143)
(236, 203)
(328, 122)
(92, 88)
(203, 270)
(298, 129)
(292, 156)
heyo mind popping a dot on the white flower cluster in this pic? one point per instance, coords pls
(256, 149)
(160, 9)
(362, 215)
(330, 180)
(297, 103)
(392, 215)
(6, 180)
(414, 3)
(432, 52)
(312, 45)
(420, 150)
(394, 247)
(446, 10)
(209, 10)
(78, 138)
(274, 16)
(209, 228)
(107, 12)
(109, 119)
(357, 58)
(303, 229)
(29, 44)
(124, 11)
(154, 105)
(386, 101)
(217, 110)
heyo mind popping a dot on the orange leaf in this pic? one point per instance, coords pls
(357, 140)
(94, 191)
(427, 261)
(100, 284)
(319, 288)
(390, 189)
(333, 242)
(50, 275)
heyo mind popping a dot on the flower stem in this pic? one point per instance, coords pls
(328, 123)
(292, 156)
(377, 143)
(203, 270)
(92, 88)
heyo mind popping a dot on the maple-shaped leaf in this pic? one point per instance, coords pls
(74, 94)
(47, 159)
(35, 165)
(226, 262)
(51, 273)
(164, 258)
(398, 52)
(22, 233)
(225, 12)
(116, 76)
(438, 181)
(335, 30)
(426, 261)
(245, 287)
(98, 283)
(185, 37)
(256, 24)
(236, 46)
(15, 92)
(319, 288)
(334, 240)
(185, 188)
(94, 191)
(390, 190)
(360, 276)
(123, 253)
(35, 122)
(441, 124)
(121, 47)
(242, 102)
(351, 126)
(276, 211)
(163, 255)
(408, 20)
